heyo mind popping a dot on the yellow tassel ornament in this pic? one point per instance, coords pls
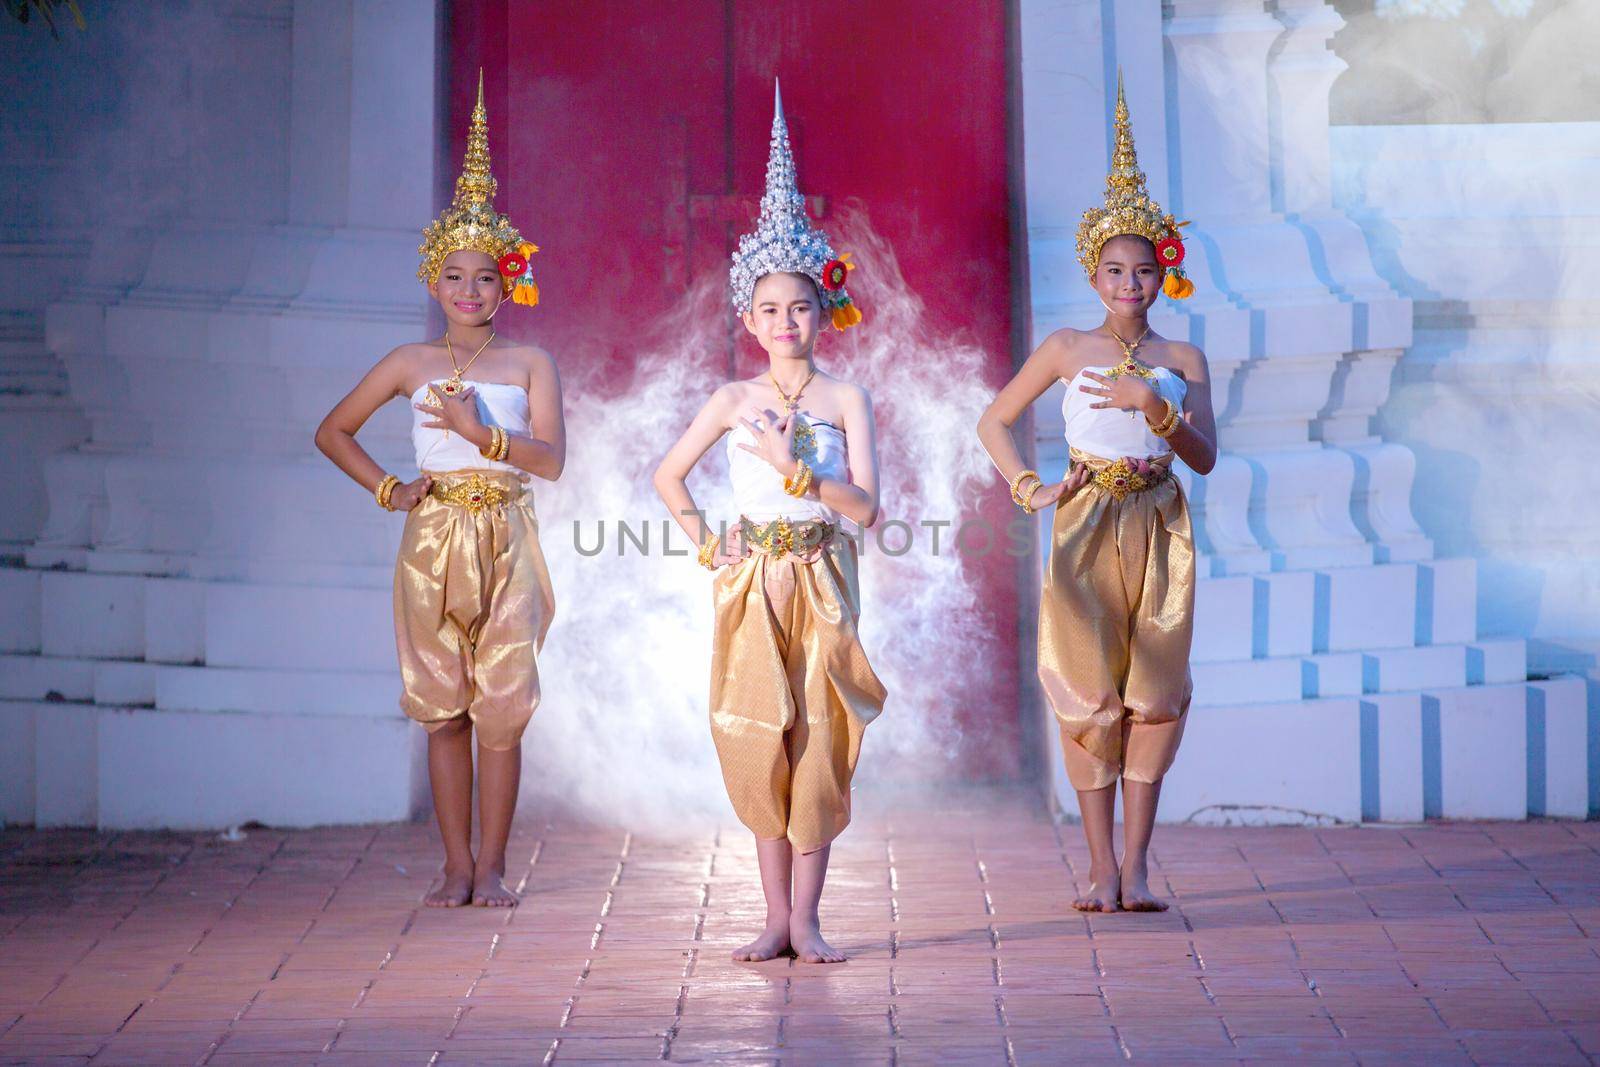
(1177, 285)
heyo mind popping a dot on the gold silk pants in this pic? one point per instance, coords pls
(472, 604)
(791, 691)
(1115, 624)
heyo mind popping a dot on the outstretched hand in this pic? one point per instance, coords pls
(774, 439)
(458, 413)
(1125, 392)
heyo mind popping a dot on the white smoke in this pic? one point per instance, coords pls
(622, 734)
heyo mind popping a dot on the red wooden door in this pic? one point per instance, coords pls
(630, 141)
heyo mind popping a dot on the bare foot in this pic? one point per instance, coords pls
(456, 890)
(773, 942)
(489, 890)
(806, 937)
(1104, 889)
(1136, 895)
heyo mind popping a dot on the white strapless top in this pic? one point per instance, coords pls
(1110, 433)
(758, 488)
(498, 405)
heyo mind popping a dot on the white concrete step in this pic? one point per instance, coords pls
(68, 764)
(82, 615)
(116, 683)
(19, 622)
(1346, 609)
(1336, 674)
(362, 694)
(1491, 751)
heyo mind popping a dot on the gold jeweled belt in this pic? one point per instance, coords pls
(474, 492)
(1119, 477)
(781, 537)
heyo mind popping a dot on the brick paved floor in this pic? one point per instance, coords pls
(1469, 943)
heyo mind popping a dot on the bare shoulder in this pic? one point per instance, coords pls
(1187, 358)
(1064, 352)
(728, 402)
(408, 355)
(848, 396)
(535, 360)
(404, 365)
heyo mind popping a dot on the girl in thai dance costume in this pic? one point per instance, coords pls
(1117, 613)
(791, 688)
(472, 595)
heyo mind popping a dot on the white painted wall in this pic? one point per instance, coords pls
(1492, 230)
(226, 197)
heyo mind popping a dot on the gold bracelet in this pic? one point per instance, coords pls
(1031, 484)
(1163, 420)
(795, 484)
(1016, 487)
(494, 449)
(1026, 502)
(1016, 483)
(1169, 425)
(384, 490)
(505, 445)
(707, 550)
(800, 482)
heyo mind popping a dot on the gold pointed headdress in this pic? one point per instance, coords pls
(1130, 210)
(471, 222)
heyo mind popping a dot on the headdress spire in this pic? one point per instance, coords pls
(1129, 210)
(782, 198)
(476, 185)
(471, 222)
(784, 239)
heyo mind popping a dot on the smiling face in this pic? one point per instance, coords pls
(785, 315)
(468, 288)
(1128, 279)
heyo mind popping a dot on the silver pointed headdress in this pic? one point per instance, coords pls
(784, 239)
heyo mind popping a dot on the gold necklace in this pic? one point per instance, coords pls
(1129, 364)
(805, 438)
(454, 385)
(792, 403)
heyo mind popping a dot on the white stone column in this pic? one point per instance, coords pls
(1301, 73)
(1299, 505)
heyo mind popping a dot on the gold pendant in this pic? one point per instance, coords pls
(805, 442)
(1129, 365)
(452, 387)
